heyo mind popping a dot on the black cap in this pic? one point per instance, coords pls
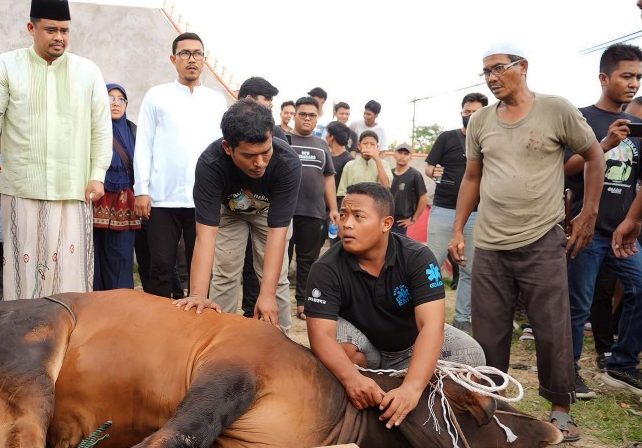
(50, 9)
(256, 86)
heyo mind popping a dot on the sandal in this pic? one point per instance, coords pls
(299, 312)
(565, 423)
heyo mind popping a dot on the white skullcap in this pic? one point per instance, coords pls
(505, 48)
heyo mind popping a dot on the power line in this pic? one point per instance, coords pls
(603, 45)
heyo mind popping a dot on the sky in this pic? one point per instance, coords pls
(396, 51)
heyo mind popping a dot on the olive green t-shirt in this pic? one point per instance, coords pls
(521, 192)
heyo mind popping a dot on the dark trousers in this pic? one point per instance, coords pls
(537, 271)
(113, 259)
(251, 287)
(143, 260)
(308, 236)
(602, 319)
(164, 230)
(582, 273)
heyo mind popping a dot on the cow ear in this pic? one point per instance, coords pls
(482, 408)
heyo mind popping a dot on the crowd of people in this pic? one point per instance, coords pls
(84, 189)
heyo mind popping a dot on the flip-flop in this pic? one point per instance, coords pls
(563, 422)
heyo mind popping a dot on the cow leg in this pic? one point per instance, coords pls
(34, 335)
(213, 402)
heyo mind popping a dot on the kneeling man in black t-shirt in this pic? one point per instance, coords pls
(377, 300)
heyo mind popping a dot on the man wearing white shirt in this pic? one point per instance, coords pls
(177, 122)
(369, 123)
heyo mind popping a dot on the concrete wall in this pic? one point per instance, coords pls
(130, 45)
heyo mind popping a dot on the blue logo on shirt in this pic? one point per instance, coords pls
(402, 294)
(434, 276)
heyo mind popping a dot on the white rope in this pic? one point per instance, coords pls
(464, 375)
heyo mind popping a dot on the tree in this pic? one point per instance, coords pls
(425, 137)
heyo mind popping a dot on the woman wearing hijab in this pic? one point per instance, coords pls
(115, 223)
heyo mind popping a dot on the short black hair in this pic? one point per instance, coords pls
(319, 93)
(616, 53)
(34, 20)
(373, 107)
(247, 121)
(306, 100)
(186, 36)
(369, 133)
(380, 194)
(287, 103)
(339, 131)
(256, 86)
(475, 98)
(637, 100)
(341, 105)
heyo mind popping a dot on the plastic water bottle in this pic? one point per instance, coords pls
(333, 230)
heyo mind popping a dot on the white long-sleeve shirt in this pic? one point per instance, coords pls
(174, 128)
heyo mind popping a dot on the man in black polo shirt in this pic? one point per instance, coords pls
(377, 300)
(255, 177)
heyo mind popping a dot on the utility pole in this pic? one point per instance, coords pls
(414, 110)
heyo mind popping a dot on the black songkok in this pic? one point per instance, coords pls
(50, 9)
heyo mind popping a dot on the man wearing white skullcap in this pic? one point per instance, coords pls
(514, 170)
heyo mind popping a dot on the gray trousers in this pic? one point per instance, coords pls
(231, 241)
(457, 347)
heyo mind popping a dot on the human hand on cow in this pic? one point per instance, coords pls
(363, 392)
(266, 309)
(198, 302)
(398, 403)
(582, 229)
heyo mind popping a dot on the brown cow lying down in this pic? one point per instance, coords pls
(169, 378)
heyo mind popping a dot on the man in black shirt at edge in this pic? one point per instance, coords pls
(256, 177)
(377, 300)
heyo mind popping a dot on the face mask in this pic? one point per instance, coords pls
(465, 120)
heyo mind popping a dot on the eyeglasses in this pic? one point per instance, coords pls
(498, 70)
(305, 115)
(116, 100)
(186, 54)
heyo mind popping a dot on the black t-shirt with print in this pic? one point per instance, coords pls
(316, 163)
(381, 307)
(449, 152)
(218, 181)
(620, 177)
(407, 188)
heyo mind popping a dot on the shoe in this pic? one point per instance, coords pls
(624, 379)
(582, 391)
(601, 360)
(527, 334)
(588, 329)
(464, 325)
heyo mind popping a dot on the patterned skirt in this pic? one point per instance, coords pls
(115, 211)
